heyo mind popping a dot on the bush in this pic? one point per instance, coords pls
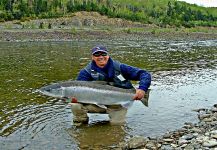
(2, 20)
(153, 31)
(188, 24)
(127, 30)
(41, 25)
(17, 14)
(49, 26)
(73, 31)
(3, 15)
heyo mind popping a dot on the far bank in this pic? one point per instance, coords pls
(93, 26)
(96, 34)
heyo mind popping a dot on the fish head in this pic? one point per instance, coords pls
(53, 92)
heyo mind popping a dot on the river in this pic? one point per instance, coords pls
(184, 78)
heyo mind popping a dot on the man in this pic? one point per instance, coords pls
(104, 68)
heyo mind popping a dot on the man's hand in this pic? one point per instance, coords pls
(139, 94)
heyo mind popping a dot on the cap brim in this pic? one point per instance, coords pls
(100, 51)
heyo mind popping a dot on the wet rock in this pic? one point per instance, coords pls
(210, 143)
(187, 137)
(214, 136)
(197, 130)
(136, 142)
(182, 141)
(199, 110)
(201, 124)
(183, 145)
(168, 140)
(167, 147)
(151, 145)
(213, 123)
(213, 132)
(174, 145)
(214, 109)
(189, 147)
(195, 144)
(203, 116)
(201, 139)
(207, 120)
(195, 134)
(184, 129)
(167, 135)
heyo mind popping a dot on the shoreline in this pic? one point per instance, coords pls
(94, 26)
(11, 35)
(200, 135)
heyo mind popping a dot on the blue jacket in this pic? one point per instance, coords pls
(128, 72)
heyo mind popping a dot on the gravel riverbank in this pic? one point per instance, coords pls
(198, 136)
(97, 35)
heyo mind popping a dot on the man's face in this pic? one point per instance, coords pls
(100, 58)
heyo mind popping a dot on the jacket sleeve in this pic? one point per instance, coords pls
(84, 76)
(133, 73)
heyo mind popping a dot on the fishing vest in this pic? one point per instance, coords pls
(118, 79)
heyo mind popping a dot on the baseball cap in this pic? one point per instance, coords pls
(99, 49)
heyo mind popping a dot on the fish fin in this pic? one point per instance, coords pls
(101, 106)
(144, 102)
(127, 104)
(103, 83)
(145, 99)
(100, 82)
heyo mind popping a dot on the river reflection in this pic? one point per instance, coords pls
(98, 136)
(184, 78)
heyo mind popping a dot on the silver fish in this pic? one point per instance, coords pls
(91, 92)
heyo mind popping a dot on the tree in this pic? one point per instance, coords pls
(22, 6)
(199, 15)
(8, 5)
(169, 9)
(70, 6)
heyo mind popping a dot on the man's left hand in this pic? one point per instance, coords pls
(139, 94)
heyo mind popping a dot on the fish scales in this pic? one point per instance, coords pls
(97, 92)
(99, 96)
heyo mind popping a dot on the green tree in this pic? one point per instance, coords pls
(9, 5)
(22, 6)
(70, 6)
(169, 9)
(199, 15)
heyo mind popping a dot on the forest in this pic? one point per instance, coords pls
(160, 12)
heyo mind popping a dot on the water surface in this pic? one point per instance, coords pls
(184, 78)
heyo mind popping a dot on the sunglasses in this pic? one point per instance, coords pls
(100, 54)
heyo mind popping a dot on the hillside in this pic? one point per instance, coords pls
(159, 12)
